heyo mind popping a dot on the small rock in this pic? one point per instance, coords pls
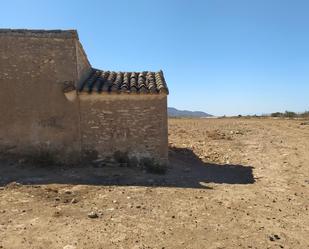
(69, 247)
(73, 201)
(13, 185)
(304, 123)
(274, 237)
(93, 215)
(56, 214)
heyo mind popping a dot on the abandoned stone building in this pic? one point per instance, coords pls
(51, 99)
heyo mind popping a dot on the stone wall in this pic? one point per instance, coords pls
(131, 123)
(83, 65)
(40, 111)
(34, 113)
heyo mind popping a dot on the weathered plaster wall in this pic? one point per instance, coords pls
(136, 124)
(34, 113)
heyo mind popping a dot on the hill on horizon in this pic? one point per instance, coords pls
(173, 112)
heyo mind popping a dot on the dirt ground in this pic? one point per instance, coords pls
(232, 183)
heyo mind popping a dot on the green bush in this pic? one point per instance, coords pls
(289, 114)
(277, 114)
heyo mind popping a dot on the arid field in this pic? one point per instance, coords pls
(231, 183)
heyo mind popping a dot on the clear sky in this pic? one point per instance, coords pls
(219, 56)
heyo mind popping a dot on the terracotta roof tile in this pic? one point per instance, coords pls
(124, 82)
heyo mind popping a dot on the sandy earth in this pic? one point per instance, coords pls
(232, 183)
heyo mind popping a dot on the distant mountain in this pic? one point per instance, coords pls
(173, 112)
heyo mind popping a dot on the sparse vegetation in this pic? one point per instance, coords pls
(248, 183)
(90, 155)
(122, 157)
(146, 163)
(43, 158)
(151, 166)
(290, 114)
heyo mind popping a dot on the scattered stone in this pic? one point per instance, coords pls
(57, 198)
(93, 215)
(304, 123)
(73, 201)
(276, 236)
(13, 185)
(138, 206)
(56, 214)
(69, 247)
(68, 192)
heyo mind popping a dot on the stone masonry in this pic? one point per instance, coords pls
(47, 103)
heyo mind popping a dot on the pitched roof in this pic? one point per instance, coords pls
(124, 82)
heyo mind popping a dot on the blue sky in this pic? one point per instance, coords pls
(219, 56)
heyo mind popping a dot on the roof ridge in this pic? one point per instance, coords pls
(58, 33)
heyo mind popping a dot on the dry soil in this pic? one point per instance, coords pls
(232, 183)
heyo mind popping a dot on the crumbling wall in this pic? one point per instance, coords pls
(132, 123)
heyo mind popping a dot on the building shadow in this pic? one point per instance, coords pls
(186, 170)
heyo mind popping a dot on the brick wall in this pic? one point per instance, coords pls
(136, 124)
